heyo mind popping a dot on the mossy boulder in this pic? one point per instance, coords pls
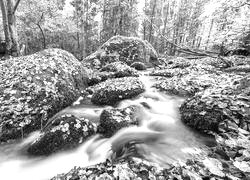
(120, 69)
(219, 108)
(140, 66)
(186, 77)
(66, 132)
(112, 70)
(112, 120)
(112, 91)
(97, 77)
(190, 84)
(125, 49)
(168, 72)
(178, 62)
(35, 87)
(133, 169)
(136, 168)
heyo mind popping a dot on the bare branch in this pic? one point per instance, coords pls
(241, 5)
(188, 50)
(15, 7)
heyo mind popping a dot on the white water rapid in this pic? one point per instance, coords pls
(164, 139)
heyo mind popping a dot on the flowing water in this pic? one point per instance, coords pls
(162, 136)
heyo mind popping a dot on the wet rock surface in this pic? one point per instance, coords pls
(168, 73)
(114, 90)
(120, 68)
(220, 108)
(33, 88)
(112, 70)
(136, 168)
(125, 49)
(112, 120)
(65, 132)
(139, 66)
(187, 77)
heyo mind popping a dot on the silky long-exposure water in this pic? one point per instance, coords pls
(163, 138)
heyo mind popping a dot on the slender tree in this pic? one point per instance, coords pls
(9, 8)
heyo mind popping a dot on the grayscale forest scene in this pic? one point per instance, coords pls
(125, 90)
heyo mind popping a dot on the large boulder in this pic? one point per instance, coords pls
(33, 88)
(220, 108)
(66, 132)
(185, 77)
(112, 91)
(190, 84)
(125, 49)
(112, 120)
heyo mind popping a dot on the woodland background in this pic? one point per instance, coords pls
(81, 26)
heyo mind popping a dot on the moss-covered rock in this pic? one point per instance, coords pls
(33, 88)
(66, 132)
(168, 73)
(97, 77)
(139, 66)
(120, 69)
(125, 49)
(219, 108)
(139, 169)
(112, 70)
(134, 169)
(178, 62)
(195, 77)
(239, 69)
(112, 120)
(114, 90)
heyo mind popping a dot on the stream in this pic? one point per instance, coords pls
(159, 120)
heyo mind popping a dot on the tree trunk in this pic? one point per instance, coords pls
(209, 33)
(152, 21)
(199, 42)
(144, 30)
(12, 28)
(7, 35)
(120, 20)
(78, 39)
(43, 35)
(104, 23)
(164, 29)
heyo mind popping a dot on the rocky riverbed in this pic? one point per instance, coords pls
(185, 119)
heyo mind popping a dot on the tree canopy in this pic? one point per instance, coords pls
(80, 26)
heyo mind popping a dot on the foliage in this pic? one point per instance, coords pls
(119, 17)
(229, 23)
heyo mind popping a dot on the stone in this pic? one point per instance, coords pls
(125, 49)
(220, 108)
(120, 70)
(139, 66)
(35, 87)
(112, 91)
(112, 70)
(112, 120)
(65, 132)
